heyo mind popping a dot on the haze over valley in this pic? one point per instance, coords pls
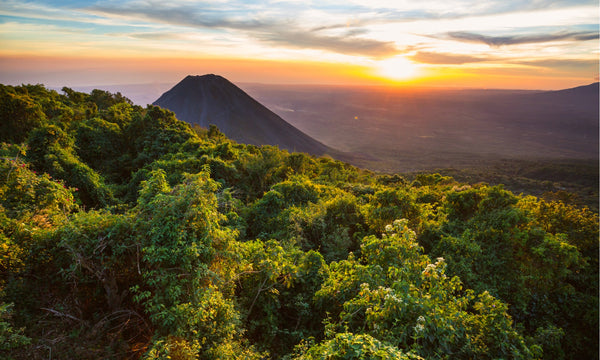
(417, 129)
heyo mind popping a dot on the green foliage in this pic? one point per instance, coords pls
(496, 243)
(121, 114)
(432, 179)
(103, 254)
(30, 197)
(332, 226)
(156, 133)
(185, 235)
(268, 216)
(104, 99)
(125, 233)
(301, 164)
(100, 144)
(395, 294)
(51, 150)
(19, 114)
(572, 181)
(298, 191)
(260, 168)
(348, 346)
(53, 105)
(185, 255)
(276, 287)
(579, 224)
(388, 205)
(10, 338)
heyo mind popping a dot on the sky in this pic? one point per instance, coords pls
(517, 44)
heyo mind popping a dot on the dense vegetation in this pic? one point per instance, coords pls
(573, 181)
(125, 233)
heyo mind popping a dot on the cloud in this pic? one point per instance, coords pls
(520, 5)
(200, 15)
(563, 64)
(151, 35)
(426, 57)
(571, 65)
(272, 28)
(521, 39)
(369, 28)
(409, 10)
(347, 45)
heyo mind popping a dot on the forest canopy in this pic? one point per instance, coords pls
(126, 233)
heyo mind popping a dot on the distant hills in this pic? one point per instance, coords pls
(581, 97)
(212, 99)
(585, 91)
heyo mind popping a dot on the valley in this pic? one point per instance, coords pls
(423, 129)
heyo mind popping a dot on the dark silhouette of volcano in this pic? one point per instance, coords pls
(212, 99)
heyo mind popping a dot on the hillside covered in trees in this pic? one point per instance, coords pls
(126, 233)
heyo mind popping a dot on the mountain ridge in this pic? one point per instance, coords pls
(212, 99)
(578, 96)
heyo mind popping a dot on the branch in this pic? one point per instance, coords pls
(260, 289)
(60, 314)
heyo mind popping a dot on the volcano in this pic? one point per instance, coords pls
(213, 100)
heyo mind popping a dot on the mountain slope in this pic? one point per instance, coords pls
(212, 99)
(585, 92)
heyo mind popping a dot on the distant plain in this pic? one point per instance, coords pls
(401, 130)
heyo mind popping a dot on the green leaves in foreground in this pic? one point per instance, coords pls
(396, 295)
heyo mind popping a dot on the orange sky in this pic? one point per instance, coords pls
(84, 71)
(546, 44)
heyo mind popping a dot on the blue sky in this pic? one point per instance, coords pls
(546, 42)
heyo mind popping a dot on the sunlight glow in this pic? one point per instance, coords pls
(397, 68)
(392, 42)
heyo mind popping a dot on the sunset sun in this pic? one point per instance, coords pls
(397, 68)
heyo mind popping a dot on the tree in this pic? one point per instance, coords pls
(51, 150)
(396, 295)
(156, 133)
(19, 114)
(349, 346)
